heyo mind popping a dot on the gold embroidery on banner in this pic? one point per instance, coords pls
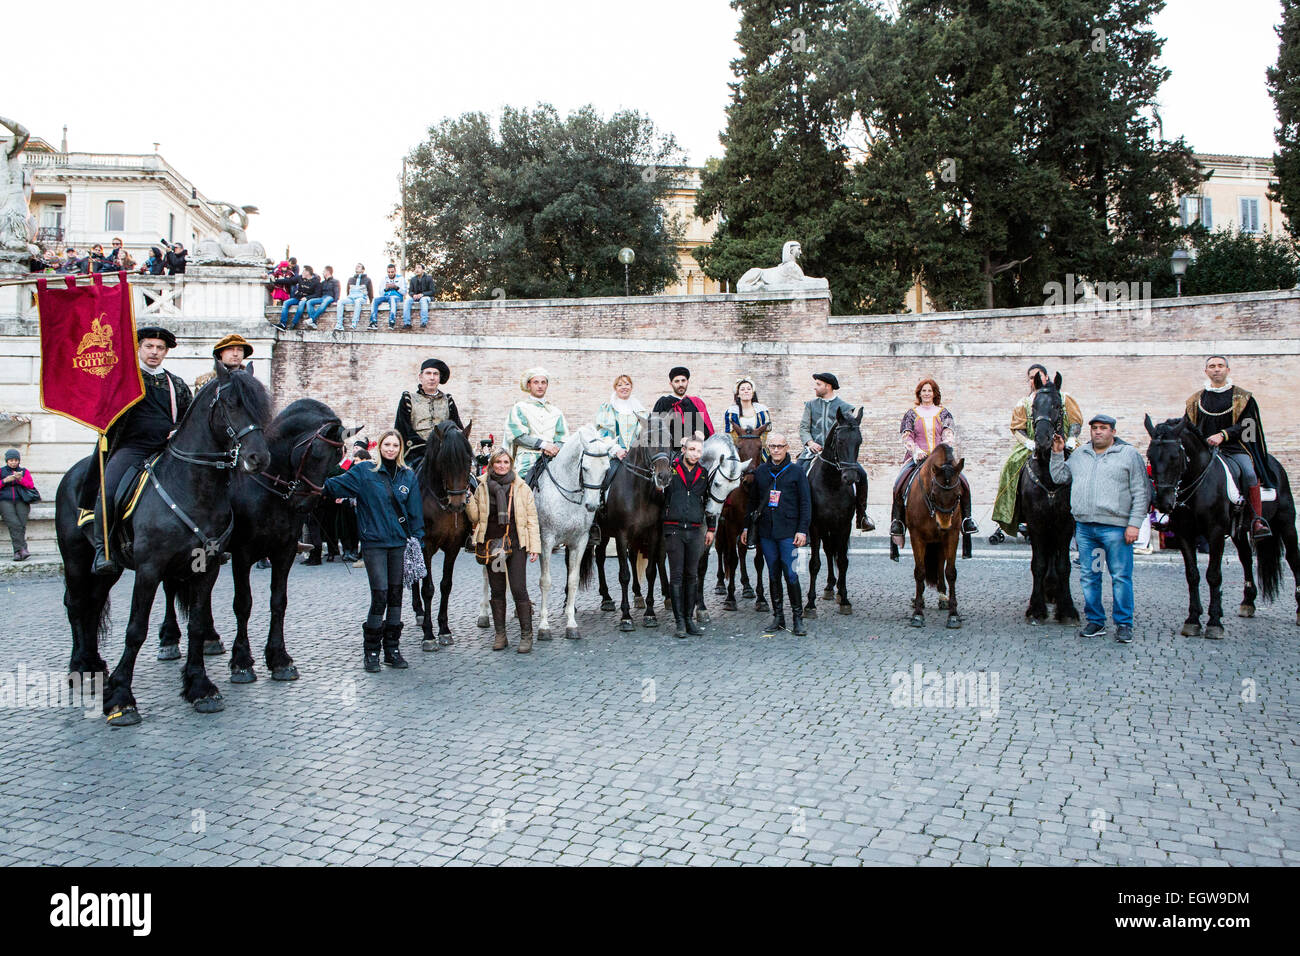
(95, 353)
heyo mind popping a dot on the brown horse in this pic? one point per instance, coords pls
(735, 518)
(934, 522)
(444, 485)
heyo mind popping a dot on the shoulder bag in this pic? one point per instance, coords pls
(489, 549)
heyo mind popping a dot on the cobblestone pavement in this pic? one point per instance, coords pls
(638, 748)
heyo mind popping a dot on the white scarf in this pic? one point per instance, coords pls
(627, 405)
(1225, 387)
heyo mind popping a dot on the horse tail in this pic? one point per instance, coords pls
(186, 595)
(1269, 553)
(588, 564)
(933, 556)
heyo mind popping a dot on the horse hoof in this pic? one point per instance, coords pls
(1246, 610)
(429, 644)
(954, 622)
(1213, 632)
(483, 622)
(638, 602)
(1191, 630)
(846, 608)
(1036, 621)
(918, 620)
(572, 634)
(213, 648)
(169, 652)
(287, 673)
(702, 616)
(446, 640)
(626, 626)
(650, 621)
(210, 705)
(720, 589)
(761, 605)
(242, 675)
(810, 612)
(544, 634)
(943, 601)
(747, 592)
(828, 594)
(729, 605)
(608, 605)
(123, 717)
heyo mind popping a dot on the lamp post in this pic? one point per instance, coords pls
(627, 257)
(1178, 266)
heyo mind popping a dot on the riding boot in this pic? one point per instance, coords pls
(968, 525)
(373, 637)
(1258, 527)
(778, 610)
(896, 526)
(499, 622)
(675, 595)
(392, 656)
(864, 521)
(796, 618)
(103, 564)
(524, 612)
(688, 612)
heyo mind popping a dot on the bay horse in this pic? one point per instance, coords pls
(831, 478)
(444, 484)
(632, 516)
(933, 517)
(1191, 488)
(1044, 507)
(735, 519)
(186, 502)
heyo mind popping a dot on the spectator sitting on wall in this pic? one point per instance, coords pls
(282, 283)
(175, 260)
(155, 264)
(308, 288)
(359, 292)
(421, 293)
(393, 292)
(329, 292)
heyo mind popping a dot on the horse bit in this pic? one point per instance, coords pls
(299, 479)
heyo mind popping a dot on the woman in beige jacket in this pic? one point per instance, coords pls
(503, 505)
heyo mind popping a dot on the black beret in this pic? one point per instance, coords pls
(156, 332)
(443, 371)
(829, 378)
(678, 370)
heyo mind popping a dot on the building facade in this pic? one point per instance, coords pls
(1234, 197)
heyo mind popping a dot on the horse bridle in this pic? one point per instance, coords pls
(712, 475)
(273, 482)
(1181, 498)
(582, 485)
(646, 474)
(821, 455)
(937, 485)
(214, 459)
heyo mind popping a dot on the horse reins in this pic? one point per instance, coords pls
(299, 479)
(1181, 498)
(212, 459)
(582, 485)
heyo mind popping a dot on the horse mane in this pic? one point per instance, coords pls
(251, 393)
(302, 415)
(444, 455)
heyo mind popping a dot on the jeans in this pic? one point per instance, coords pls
(15, 514)
(317, 306)
(356, 297)
(394, 299)
(284, 312)
(424, 311)
(1096, 541)
(780, 554)
(384, 569)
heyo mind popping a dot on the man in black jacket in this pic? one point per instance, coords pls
(175, 259)
(420, 290)
(780, 506)
(684, 538)
(317, 304)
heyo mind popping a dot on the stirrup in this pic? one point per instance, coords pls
(968, 526)
(896, 528)
(1259, 529)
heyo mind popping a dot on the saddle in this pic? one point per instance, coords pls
(903, 487)
(535, 473)
(125, 498)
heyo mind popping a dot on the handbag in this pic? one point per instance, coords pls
(413, 567)
(484, 553)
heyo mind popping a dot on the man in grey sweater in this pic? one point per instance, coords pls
(1110, 494)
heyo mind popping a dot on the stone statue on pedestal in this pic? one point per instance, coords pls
(233, 248)
(17, 226)
(787, 277)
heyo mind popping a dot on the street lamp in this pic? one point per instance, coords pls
(627, 257)
(1178, 266)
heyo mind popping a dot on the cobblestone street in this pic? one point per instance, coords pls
(734, 748)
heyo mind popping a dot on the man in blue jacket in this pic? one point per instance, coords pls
(780, 507)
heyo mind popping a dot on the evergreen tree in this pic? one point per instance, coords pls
(1284, 85)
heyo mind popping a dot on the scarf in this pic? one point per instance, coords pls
(630, 404)
(499, 488)
(1225, 387)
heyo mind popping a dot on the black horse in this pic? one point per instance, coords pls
(632, 515)
(1044, 506)
(831, 478)
(180, 526)
(444, 486)
(1191, 488)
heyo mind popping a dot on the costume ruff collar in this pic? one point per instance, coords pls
(624, 406)
(1225, 387)
(161, 370)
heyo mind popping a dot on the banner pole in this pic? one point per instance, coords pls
(103, 497)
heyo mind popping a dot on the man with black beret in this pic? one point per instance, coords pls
(818, 416)
(141, 431)
(690, 417)
(418, 412)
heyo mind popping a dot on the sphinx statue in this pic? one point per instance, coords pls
(233, 247)
(787, 277)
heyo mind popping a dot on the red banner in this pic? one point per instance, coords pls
(89, 366)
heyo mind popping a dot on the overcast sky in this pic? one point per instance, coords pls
(305, 110)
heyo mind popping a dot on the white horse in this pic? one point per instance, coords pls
(567, 497)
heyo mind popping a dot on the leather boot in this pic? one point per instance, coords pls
(103, 564)
(373, 638)
(524, 612)
(968, 525)
(1258, 527)
(392, 656)
(896, 526)
(498, 606)
(675, 596)
(796, 617)
(778, 609)
(688, 613)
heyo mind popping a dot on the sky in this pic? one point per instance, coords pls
(306, 111)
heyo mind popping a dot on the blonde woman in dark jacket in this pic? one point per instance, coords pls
(503, 505)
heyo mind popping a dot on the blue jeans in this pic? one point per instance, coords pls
(1098, 541)
(359, 301)
(284, 312)
(424, 311)
(779, 554)
(317, 306)
(394, 299)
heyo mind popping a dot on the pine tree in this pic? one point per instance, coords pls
(1284, 85)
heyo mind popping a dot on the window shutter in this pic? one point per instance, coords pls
(1207, 220)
